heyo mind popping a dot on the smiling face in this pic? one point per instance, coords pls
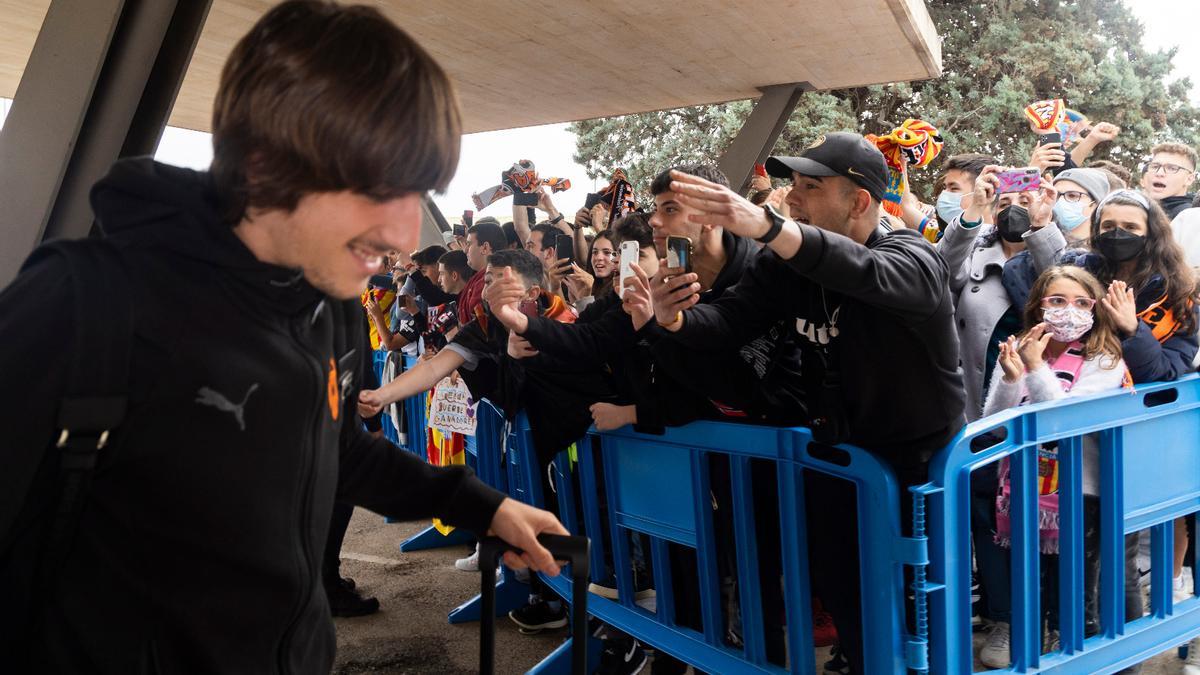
(339, 239)
(1159, 181)
(604, 258)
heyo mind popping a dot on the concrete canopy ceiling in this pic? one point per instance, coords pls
(521, 64)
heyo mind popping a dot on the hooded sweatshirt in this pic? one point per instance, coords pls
(200, 540)
(876, 325)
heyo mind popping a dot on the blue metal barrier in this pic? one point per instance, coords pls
(659, 486)
(1149, 457)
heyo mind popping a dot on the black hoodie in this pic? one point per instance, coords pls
(876, 321)
(1173, 205)
(200, 543)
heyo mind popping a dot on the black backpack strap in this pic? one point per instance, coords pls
(95, 395)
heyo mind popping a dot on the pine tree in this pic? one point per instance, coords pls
(998, 56)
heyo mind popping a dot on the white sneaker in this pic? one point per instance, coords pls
(996, 652)
(1192, 665)
(1180, 588)
(469, 563)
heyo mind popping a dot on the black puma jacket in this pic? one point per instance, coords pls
(200, 542)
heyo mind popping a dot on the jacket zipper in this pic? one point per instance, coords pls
(307, 474)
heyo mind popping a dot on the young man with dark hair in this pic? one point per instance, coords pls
(220, 458)
(1170, 173)
(956, 182)
(872, 310)
(484, 238)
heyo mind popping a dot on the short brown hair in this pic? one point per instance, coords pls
(1177, 149)
(323, 98)
(1114, 171)
(969, 162)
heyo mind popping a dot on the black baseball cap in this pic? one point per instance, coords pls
(838, 154)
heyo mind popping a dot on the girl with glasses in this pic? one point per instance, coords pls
(1069, 347)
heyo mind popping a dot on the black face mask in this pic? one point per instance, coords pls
(1012, 222)
(1119, 245)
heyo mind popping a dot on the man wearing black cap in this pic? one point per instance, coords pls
(875, 319)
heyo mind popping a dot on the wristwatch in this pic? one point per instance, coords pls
(777, 221)
(556, 219)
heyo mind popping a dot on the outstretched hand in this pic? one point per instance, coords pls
(718, 205)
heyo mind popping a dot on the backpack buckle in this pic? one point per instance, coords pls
(65, 436)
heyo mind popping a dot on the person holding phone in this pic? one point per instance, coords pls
(872, 311)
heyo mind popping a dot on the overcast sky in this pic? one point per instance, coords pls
(551, 147)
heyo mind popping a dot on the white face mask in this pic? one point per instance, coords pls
(1068, 324)
(949, 205)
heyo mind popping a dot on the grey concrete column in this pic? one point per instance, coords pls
(757, 136)
(99, 85)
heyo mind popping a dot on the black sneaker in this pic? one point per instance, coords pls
(538, 616)
(838, 664)
(344, 601)
(347, 582)
(621, 656)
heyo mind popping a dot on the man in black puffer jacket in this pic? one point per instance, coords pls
(199, 542)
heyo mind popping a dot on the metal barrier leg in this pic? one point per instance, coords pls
(510, 594)
(430, 538)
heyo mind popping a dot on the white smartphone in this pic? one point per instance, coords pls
(629, 255)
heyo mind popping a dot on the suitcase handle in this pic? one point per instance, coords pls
(577, 551)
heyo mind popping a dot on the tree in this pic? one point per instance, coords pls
(997, 56)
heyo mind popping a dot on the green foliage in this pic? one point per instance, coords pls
(998, 56)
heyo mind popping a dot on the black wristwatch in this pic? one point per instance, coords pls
(556, 219)
(777, 221)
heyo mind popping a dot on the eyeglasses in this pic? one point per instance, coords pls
(1074, 196)
(1059, 302)
(1169, 169)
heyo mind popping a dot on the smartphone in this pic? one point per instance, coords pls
(1019, 180)
(529, 308)
(629, 255)
(1052, 137)
(679, 253)
(593, 199)
(525, 198)
(564, 247)
(468, 218)
(760, 170)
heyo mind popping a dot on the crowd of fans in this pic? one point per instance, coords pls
(804, 302)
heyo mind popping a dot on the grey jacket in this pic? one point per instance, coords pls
(976, 268)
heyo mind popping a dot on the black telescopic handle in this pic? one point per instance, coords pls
(575, 550)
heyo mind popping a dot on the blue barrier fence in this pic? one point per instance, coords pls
(621, 488)
(659, 487)
(1149, 469)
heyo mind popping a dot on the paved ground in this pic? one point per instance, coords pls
(417, 590)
